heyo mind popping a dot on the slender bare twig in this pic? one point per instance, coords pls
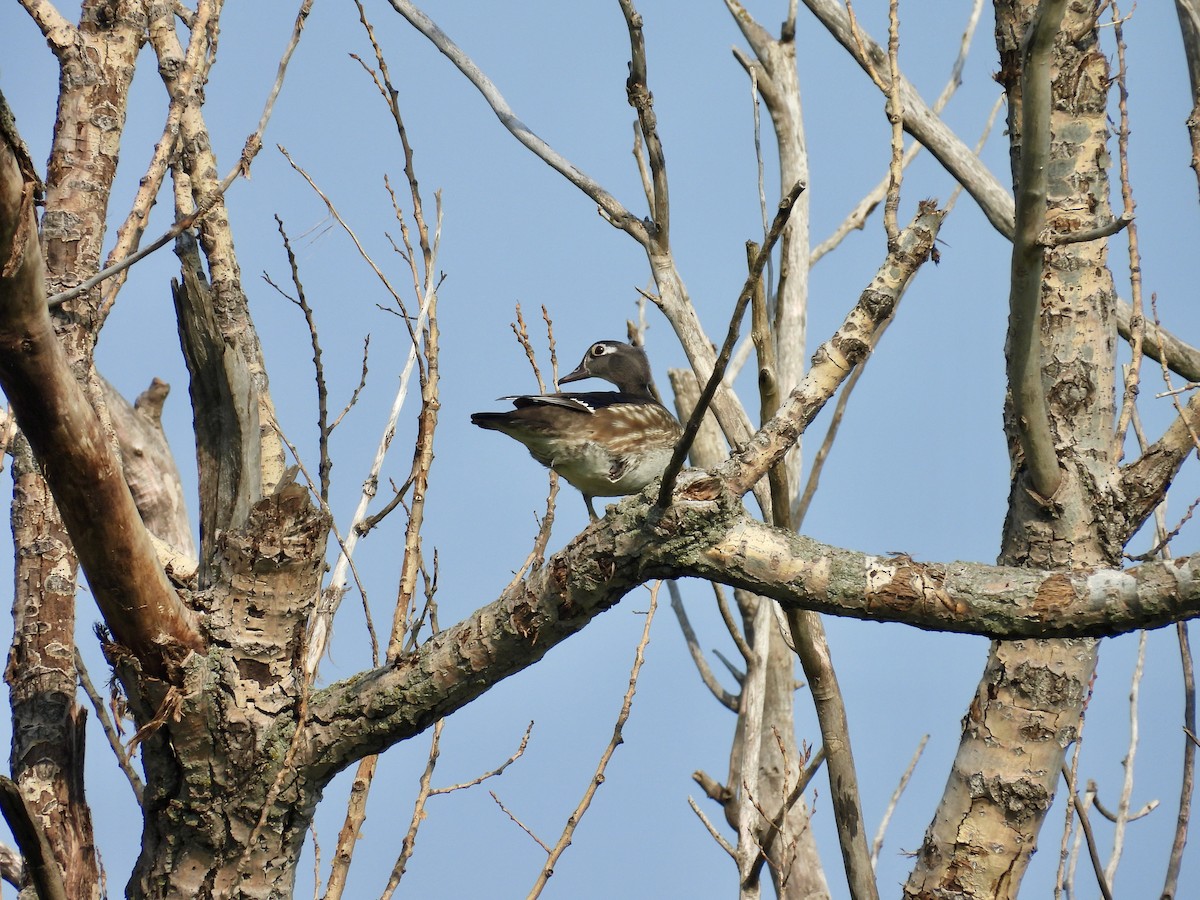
(1138, 331)
(638, 93)
(1146, 809)
(425, 791)
(499, 770)
(857, 217)
(331, 598)
(542, 539)
(316, 861)
(354, 395)
(508, 812)
(301, 301)
(724, 697)
(1187, 781)
(712, 830)
(735, 633)
(877, 844)
(1122, 812)
(710, 388)
(609, 206)
(1086, 825)
(800, 509)
(110, 731)
(564, 840)
(312, 487)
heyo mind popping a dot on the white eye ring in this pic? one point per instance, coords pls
(600, 349)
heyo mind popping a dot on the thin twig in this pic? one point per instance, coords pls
(1122, 812)
(877, 844)
(712, 830)
(1187, 780)
(564, 840)
(735, 633)
(518, 822)
(499, 770)
(637, 91)
(1086, 825)
(714, 380)
(322, 617)
(724, 697)
(301, 301)
(354, 395)
(312, 487)
(418, 815)
(110, 731)
(612, 210)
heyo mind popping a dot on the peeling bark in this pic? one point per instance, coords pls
(1030, 700)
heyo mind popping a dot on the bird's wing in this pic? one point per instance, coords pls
(576, 402)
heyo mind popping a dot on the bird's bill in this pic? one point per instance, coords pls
(578, 375)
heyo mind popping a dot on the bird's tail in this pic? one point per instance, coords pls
(489, 420)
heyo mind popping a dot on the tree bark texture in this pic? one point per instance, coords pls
(96, 64)
(1030, 700)
(237, 747)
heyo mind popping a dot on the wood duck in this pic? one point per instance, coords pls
(608, 443)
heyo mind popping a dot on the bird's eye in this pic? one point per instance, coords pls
(599, 349)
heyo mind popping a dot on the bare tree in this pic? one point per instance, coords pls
(215, 646)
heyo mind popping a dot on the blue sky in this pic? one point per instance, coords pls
(920, 465)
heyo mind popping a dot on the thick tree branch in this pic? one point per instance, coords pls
(1182, 359)
(59, 32)
(835, 359)
(225, 410)
(716, 540)
(138, 603)
(45, 875)
(1144, 482)
(1028, 255)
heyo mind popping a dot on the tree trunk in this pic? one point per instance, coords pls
(1029, 703)
(215, 764)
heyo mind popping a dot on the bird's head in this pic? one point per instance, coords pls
(623, 364)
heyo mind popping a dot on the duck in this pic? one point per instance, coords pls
(604, 443)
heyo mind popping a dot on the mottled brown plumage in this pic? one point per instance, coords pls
(607, 443)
